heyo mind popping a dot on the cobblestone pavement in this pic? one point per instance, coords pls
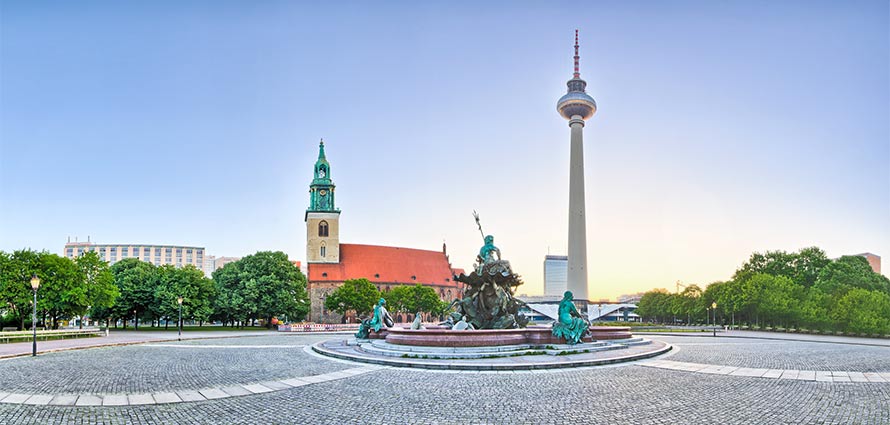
(622, 394)
(117, 337)
(147, 368)
(772, 354)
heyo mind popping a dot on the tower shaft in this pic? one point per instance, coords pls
(576, 278)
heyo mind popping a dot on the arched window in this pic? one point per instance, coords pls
(323, 250)
(323, 229)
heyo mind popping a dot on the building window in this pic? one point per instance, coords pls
(323, 229)
(325, 274)
(323, 250)
(377, 275)
(413, 277)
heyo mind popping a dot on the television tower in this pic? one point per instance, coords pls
(577, 106)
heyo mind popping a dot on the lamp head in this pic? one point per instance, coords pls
(714, 305)
(35, 281)
(179, 300)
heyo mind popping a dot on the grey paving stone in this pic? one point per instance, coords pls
(190, 396)
(115, 400)
(235, 390)
(89, 400)
(257, 388)
(213, 393)
(276, 385)
(137, 399)
(15, 398)
(39, 399)
(169, 397)
(296, 382)
(63, 400)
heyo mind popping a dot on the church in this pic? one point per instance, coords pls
(330, 263)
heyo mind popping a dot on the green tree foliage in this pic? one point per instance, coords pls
(412, 299)
(260, 286)
(188, 282)
(864, 311)
(850, 272)
(15, 289)
(63, 292)
(101, 292)
(136, 281)
(802, 267)
(357, 295)
(67, 288)
(780, 289)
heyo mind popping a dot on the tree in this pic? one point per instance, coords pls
(655, 305)
(136, 281)
(263, 285)
(188, 282)
(15, 290)
(849, 272)
(101, 291)
(63, 292)
(413, 299)
(863, 311)
(358, 295)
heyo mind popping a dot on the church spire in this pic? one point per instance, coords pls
(321, 150)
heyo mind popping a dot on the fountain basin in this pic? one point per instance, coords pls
(534, 335)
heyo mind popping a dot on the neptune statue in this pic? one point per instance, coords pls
(487, 301)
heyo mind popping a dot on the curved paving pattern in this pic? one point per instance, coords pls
(148, 368)
(630, 393)
(773, 354)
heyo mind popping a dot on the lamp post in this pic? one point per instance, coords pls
(179, 300)
(35, 283)
(714, 310)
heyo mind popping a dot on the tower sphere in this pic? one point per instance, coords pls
(576, 103)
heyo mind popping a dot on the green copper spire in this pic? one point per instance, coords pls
(321, 191)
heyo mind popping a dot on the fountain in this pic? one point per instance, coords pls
(487, 327)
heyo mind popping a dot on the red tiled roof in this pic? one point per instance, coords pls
(386, 264)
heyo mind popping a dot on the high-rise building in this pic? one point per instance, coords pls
(577, 106)
(158, 255)
(555, 269)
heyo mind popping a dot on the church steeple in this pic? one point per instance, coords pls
(321, 191)
(322, 216)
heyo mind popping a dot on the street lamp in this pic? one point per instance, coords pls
(179, 300)
(35, 283)
(714, 309)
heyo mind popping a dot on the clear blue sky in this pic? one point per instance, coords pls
(723, 128)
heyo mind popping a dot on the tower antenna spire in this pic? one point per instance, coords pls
(577, 68)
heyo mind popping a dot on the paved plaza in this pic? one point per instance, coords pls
(274, 378)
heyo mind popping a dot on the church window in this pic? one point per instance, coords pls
(323, 229)
(413, 277)
(377, 275)
(325, 274)
(323, 250)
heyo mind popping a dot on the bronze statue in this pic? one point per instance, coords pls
(487, 300)
(571, 325)
(381, 318)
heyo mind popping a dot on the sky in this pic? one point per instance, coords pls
(723, 128)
